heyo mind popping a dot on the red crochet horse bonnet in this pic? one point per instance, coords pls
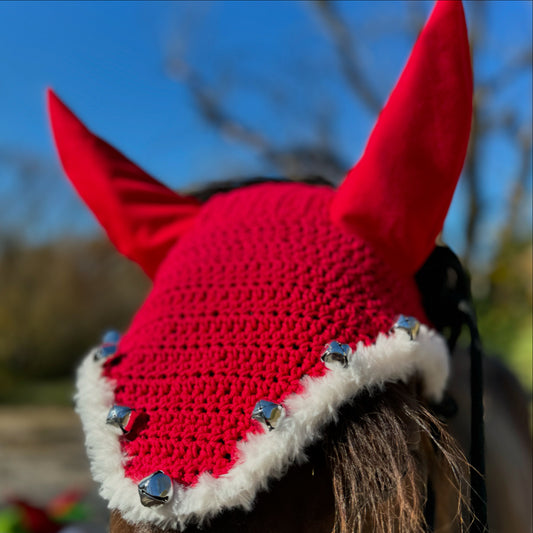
(272, 305)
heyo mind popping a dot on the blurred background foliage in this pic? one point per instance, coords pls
(504, 307)
(57, 299)
(60, 293)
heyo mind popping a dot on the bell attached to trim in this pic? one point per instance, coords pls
(336, 353)
(155, 489)
(121, 417)
(105, 351)
(109, 346)
(409, 324)
(111, 337)
(268, 413)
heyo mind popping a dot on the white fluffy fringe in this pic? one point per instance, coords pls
(261, 457)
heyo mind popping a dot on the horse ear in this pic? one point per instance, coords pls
(397, 196)
(141, 216)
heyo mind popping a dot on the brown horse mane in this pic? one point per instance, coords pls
(389, 448)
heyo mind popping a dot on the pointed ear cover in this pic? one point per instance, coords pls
(397, 196)
(141, 216)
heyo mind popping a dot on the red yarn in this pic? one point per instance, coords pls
(142, 217)
(250, 286)
(398, 194)
(240, 311)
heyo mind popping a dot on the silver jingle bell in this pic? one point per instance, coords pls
(408, 324)
(109, 346)
(121, 417)
(267, 413)
(105, 351)
(155, 489)
(111, 337)
(336, 353)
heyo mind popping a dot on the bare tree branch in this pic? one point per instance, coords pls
(524, 141)
(522, 138)
(521, 62)
(297, 161)
(471, 181)
(484, 121)
(473, 156)
(416, 17)
(321, 157)
(343, 40)
(211, 108)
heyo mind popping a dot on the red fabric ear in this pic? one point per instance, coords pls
(142, 217)
(397, 196)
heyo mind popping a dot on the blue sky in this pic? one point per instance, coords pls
(107, 60)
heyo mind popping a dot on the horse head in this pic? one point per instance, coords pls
(284, 320)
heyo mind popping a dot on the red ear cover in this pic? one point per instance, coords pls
(141, 216)
(397, 196)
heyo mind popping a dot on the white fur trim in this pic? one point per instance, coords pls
(262, 456)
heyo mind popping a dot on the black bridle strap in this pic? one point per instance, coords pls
(447, 299)
(478, 489)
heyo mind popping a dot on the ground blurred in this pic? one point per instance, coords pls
(43, 456)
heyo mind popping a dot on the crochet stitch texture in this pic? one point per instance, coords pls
(240, 311)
